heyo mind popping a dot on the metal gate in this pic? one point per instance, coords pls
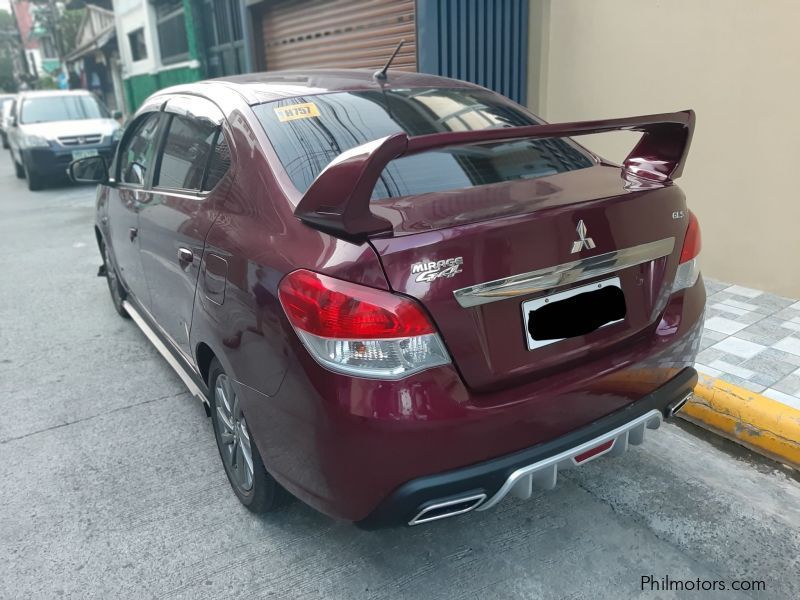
(338, 34)
(224, 37)
(482, 41)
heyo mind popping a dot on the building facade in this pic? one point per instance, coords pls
(163, 42)
(41, 57)
(157, 46)
(95, 62)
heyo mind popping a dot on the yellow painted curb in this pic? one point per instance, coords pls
(760, 423)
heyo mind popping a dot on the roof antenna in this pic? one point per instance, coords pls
(380, 75)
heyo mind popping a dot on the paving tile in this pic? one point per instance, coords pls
(748, 385)
(749, 318)
(713, 286)
(709, 355)
(707, 370)
(788, 314)
(791, 325)
(767, 369)
(788, 385)
(732, 368)
(789, 344)
(767, 332)
(723, 325)
(770, 354)
(772, 302)
(743, 291)
(736, 303)
(714, 335)
(719, 306)
(787, 399)
(705, 342)
(739, 347)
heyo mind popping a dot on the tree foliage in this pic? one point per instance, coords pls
(9, 45)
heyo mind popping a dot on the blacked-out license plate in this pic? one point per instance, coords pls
(573, 313)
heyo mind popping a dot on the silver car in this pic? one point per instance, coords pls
(50, 129)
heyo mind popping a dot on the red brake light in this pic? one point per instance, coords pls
(691, 243)
(333, 308)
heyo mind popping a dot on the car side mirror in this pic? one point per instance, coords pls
(92, 169)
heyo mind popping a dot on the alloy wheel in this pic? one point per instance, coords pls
(233, 434)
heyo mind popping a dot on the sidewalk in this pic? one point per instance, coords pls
(749, 365)
(752, 339)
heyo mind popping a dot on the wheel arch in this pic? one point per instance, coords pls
(204, 356)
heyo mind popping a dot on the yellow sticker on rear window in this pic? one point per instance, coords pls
(297, 111)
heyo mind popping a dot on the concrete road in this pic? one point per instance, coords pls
(111, 486)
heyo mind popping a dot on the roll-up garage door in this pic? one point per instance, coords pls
(338, 34)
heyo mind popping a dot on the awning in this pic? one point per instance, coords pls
(93, 45)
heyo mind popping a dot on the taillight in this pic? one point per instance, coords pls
(691, 242)
(358, 330)
(689, 267)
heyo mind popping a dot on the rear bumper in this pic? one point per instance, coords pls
(485, 484)
(356, 442)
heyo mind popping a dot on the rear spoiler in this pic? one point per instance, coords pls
(338, 200)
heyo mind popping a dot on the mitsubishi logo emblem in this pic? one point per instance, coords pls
(583, 241)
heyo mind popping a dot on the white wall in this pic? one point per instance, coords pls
(130, 16)
(737, 63)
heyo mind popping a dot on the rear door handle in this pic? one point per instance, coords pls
(185, 256)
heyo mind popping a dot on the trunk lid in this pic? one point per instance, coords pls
(449, 241)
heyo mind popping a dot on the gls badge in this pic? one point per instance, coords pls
(428, 271)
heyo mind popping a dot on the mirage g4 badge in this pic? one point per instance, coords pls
(583, 240)
(428, 271)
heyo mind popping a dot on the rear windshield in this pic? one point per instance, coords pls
(68, 107)
(308, 132)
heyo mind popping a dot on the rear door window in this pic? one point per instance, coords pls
(219, 163)
(308, 132)
(137, 152)
(187, 149)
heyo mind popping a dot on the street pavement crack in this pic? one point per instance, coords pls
(91, 417)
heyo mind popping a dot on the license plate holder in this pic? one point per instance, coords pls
(605, 298)
(78, 154)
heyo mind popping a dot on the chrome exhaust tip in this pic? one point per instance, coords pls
(447, 508)
(673, 408)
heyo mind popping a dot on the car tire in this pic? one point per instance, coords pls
(256, 489)
(115, 287)
(35, 182)
(19, 171)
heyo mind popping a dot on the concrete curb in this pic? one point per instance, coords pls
(752, 420)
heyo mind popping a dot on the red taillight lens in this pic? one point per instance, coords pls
(333, 308)
(691, 243)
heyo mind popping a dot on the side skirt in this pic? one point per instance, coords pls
(175, 362)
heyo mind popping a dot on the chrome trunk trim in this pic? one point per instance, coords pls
(552, 277)
(543, 474)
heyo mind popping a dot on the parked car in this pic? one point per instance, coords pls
(402, 300)
(50, 129)
(6, 100)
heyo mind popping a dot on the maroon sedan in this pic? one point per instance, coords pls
(402, 299)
